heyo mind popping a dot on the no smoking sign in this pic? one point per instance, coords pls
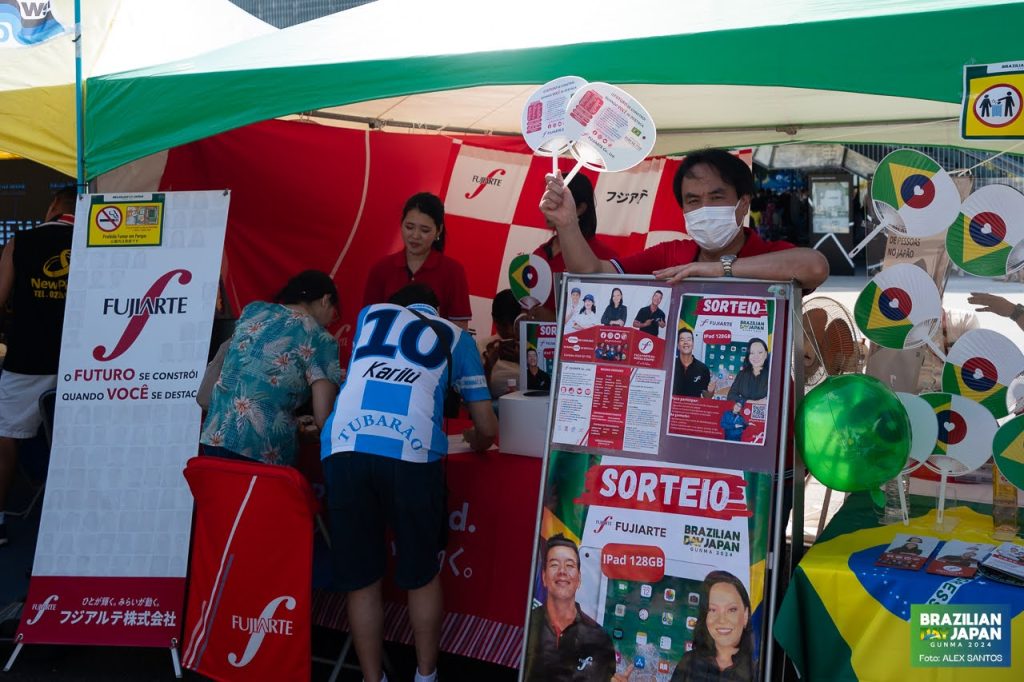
(109, 218)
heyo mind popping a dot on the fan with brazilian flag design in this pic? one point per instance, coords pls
(987, 238)
(980, 366)
(899, 308)
(921, 193)
(965, 437)
(964, 443)
(1008, 451)
(530, 279)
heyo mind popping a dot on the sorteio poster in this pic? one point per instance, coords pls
(110, 562)
(652, 538)
(721, 377)
(654, 565)
(537, 355)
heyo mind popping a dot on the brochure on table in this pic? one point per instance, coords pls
(664, 434)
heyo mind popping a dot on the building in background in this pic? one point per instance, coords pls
(282, 13)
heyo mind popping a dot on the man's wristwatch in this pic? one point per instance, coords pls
(1018, 310)
(727, 262)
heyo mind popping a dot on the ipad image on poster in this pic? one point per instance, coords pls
(588, 596)
(653, 621)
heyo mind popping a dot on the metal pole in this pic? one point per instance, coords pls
(79, 108)
(793, 305)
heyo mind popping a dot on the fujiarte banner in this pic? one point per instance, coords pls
(111, 557)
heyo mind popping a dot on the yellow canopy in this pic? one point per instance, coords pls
(37, 83)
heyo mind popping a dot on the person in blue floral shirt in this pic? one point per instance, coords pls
(279, 356)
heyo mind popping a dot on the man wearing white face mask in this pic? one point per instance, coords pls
(714, 189)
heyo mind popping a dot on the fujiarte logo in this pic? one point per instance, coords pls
(260, 627)
(712, 494)
(631, 528)
(140, 309)
(49, 604)
(484, 181)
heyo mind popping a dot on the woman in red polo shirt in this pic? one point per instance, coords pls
(422, 260)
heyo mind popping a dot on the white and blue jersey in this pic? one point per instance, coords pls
(392, 401)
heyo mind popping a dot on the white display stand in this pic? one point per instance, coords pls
(522, 423)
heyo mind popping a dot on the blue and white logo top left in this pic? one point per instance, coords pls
(392, 401)
(26, 23)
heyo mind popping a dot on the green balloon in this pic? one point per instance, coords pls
(853, 433)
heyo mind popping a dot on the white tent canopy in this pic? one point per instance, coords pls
(711, 73)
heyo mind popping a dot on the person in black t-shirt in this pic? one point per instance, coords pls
(615, 313)
(536, 378)
(651, 319)
(692, 376)
(34, 281)
(564, 644)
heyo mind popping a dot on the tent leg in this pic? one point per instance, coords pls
(14, 655)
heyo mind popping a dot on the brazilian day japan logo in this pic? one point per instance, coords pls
(961, 635)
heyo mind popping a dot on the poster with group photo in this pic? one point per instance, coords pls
(721, 387)
(660, 566)
(612, 358)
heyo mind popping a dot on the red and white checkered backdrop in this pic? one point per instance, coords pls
(311, 196)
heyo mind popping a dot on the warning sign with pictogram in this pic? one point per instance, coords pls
(992, 101)
(126, 220)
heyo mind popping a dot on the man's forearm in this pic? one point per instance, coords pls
(808, 267)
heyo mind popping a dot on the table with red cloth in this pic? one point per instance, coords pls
(492, 503)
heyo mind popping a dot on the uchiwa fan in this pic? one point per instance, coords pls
(832, 344)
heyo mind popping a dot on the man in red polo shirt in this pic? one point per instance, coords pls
(714, 189)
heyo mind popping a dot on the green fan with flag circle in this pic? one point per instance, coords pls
(922, 196)
(900, 308)
(980, 366)
(1008, 451)
(965, 435)
(530, 278)
(987, 238)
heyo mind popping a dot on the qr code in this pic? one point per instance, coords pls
(758, 412)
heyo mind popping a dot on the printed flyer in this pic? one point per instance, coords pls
(648, 554)
(721, 385)
(613, 350)
(537, 342)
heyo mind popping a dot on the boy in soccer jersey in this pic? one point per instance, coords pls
(383, 448)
